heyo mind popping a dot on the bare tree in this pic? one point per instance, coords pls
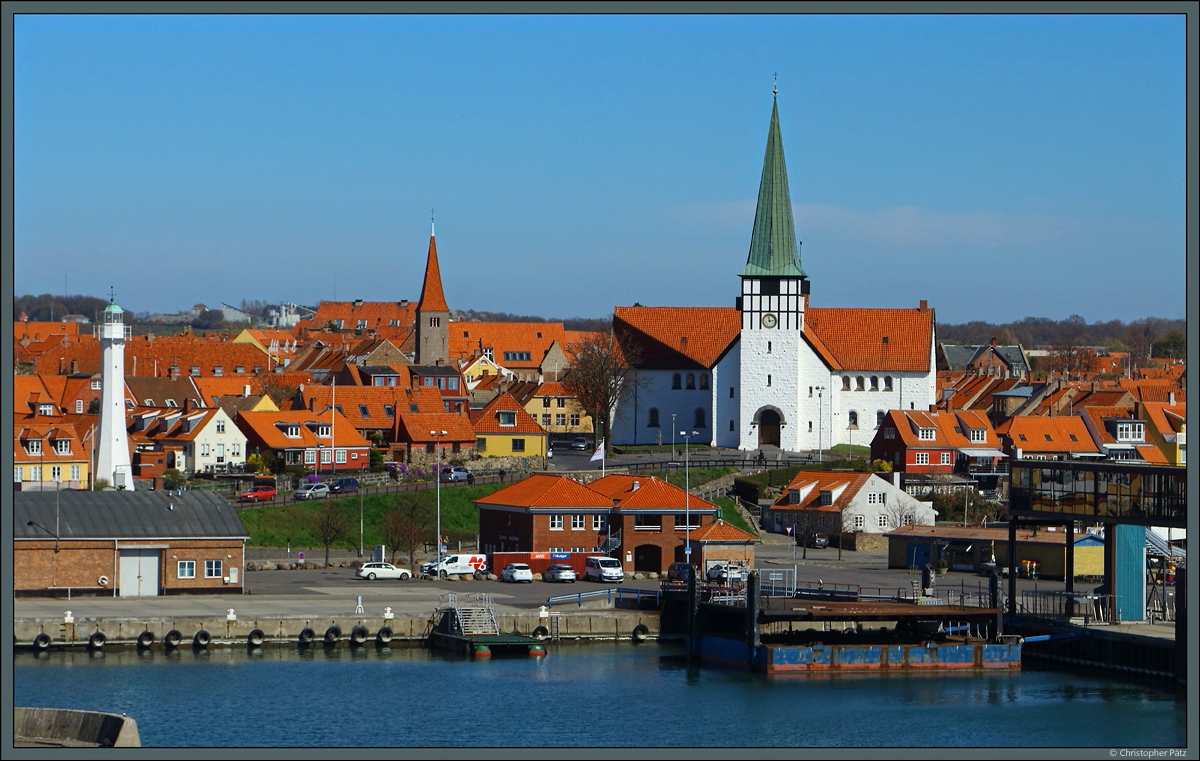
(602, 369)
(331, 525)
(902, 513)
(407, 527)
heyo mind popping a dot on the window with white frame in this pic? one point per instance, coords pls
(859, 522)
(508, 418)
(240, 369)
(310, 457)
(78, 406)
(55, 472)
(235, 449)
(74, 472)
(560, 420)
(340, 456)
(220, 426)
(326, 456)
(35, 473)
(560, 402)
(557, 549)
(979, 435)
(213, 568)
(323, 431)
(922, 458)
(872, 498)
(18, 473)
(218, 370)
(33, 446)
(545, 418)
(927, 434)
(577, 523)
(62, 446)
(945, 458)
(599, 522)
(1130, 432)
(292, 431)
(186, 569)
(556, 522)
(546, 402)
(95, 384)
(204, 450)
(883, 521)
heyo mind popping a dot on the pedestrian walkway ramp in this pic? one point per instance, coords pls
(466, 624)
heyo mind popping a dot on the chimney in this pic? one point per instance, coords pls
(1170, 398)
(358, 302)
(636, 486)
(246, 390)
(187, 404)
(993, 342)
(924, 307)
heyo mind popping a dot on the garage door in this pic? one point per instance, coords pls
(139, 573)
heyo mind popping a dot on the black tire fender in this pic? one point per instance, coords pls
(41, 641)
(640, 633)
(172, 638)
(359, 635)
(541, 632)
(384, 635)
(306, 636)
(255, 637)
(202, 638)
(145, 639)
(333, 634)
(97, 640)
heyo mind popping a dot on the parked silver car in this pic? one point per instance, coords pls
(559, 572)
(311, 491)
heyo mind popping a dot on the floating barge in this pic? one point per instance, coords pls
(467, 625)
(820, 635)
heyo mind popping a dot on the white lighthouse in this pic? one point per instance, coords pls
(112, 458)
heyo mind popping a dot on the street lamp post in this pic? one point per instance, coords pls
(820, 423)
(687, 497)
(672, 436)
(437, 475)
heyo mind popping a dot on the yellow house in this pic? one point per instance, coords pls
(49, 455)
(480, 366)
(504, 429)
(1166, 426)
(557, 411)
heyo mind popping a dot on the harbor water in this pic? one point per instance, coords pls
(578, 695)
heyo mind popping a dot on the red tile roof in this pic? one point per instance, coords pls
(897, 340)
(487, 420)
(1060, 429)
(265, 426)
(678, 337)
(416, 428)
(547, 491)
(468, 339)
(720, 531)
(651, 492)
(818, 481)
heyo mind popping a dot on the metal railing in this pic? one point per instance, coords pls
(1066, 607)
(611, 596)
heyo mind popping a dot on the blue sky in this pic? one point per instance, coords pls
(999, 166)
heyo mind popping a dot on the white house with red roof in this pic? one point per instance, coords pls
(835, 502)
(772, 370)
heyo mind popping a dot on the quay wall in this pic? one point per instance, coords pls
(61, 727)
(584, 624)
(1098, 648)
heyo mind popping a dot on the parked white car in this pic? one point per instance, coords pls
(516, 572)
(311, 491)
(374, 571)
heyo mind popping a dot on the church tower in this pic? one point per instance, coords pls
(433, 316)
(112, 454)
(774, 294)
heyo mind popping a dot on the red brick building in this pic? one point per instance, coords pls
(642, 521)
(126, 543)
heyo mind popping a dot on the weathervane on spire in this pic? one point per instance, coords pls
(775, 84)
(431, 221)
(112, 294)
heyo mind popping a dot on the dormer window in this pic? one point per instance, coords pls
(219, 370)
(825, 498)
(170, 403)
(927, 434)
(508, 418)
(362, 411)
(362, 324)
(389, 410)
(62, 446)
(978, 435)
(95, 384)
(292, 431)
(1130, 432)
(323, 431)
(195, 369)
(45, 409)
(33, 446)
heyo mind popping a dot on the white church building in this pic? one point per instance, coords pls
(771, 370)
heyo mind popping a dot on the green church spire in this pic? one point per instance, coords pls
(773, 249)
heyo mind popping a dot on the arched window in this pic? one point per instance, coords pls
(845, 383)
(653, 423)
(691, 383)
(853, 419)
(677, 381)
(703, 381)
(887, 383)
(874, 382)
(878, 418)
(700, 418)
(861, 383)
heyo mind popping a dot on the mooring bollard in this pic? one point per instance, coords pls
(359, 609)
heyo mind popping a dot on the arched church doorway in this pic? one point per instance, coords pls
(768, 428)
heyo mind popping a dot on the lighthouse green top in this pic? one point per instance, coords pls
(773, 250)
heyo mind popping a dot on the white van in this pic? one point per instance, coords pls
(603, 569)
(450, 565)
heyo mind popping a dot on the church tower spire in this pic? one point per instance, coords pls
(773, 248)
(433, 315)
